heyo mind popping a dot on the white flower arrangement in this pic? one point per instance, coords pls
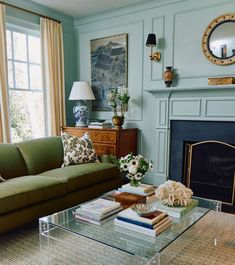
(174, 193)
(134, 166)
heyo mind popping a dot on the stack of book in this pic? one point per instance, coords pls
(175, 211)
(143, 189)
(97, 211)
(100, 125)
(152, 224)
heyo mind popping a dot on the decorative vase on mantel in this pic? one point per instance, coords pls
(168, 76)
(118, 121)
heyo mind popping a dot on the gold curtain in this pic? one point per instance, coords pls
(4, 104)
(53, 71)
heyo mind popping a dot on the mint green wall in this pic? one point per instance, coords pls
(68, 34)
(179, 25)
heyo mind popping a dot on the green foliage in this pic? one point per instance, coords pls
(20, 118)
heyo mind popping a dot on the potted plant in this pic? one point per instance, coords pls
(118, 99)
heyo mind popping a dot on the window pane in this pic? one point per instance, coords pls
(9, 50)
(10, 75)
(27, 115)
(21, 75)
(26, 96)
(34, 49)
(35, 76)
(20, 49)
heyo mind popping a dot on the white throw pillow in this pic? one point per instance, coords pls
(77, 150)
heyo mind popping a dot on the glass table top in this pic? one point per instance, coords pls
(127, 240)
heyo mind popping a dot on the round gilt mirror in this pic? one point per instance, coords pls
(218, 42)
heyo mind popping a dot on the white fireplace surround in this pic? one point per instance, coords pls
(214, 103)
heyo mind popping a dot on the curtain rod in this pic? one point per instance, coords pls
(32, 12)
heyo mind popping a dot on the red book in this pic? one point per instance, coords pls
(127, 199)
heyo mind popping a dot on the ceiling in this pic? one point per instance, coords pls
(82, 8)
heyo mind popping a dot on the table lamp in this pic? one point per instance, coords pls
(81, 91)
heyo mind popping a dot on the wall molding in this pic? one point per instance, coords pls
(135, 31)
(162, 136)
(187, 107)
(216, 3)
(162, 113)
(158, 27)
(146, 6)
(84, 30)
(219, 108)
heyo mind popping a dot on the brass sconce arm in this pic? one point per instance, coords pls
(155, 57)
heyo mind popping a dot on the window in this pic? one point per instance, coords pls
(26, 93)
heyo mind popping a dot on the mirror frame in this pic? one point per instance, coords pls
(206, 38)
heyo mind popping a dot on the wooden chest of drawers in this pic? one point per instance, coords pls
(109, 141)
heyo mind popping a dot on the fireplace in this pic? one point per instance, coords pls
(191, 113)
(209, 168)
(202, 156)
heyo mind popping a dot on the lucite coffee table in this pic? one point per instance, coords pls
(61, 229)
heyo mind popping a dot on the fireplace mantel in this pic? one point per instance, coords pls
(208, 103)
(174, 90)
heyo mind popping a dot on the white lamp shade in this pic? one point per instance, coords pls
(81, 90)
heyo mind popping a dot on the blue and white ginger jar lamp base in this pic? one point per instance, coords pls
(81, 113)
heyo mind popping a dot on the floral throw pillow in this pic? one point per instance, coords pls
(77, 150)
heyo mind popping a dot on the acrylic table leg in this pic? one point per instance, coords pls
(44, 239)
(156, 260)
(218, 212)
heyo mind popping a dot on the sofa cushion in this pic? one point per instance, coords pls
(77, 150)
(84, 175)
(42, 154)
(27, 190)
(11, 162)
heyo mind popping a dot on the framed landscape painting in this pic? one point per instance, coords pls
(108, 68)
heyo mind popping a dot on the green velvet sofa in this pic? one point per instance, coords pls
(36, 185)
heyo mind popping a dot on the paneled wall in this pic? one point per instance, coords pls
(179, 25)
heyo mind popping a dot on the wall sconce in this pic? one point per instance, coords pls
(151, 42)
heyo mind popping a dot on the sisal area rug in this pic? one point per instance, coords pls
(194, 247)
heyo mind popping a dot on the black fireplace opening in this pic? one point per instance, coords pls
(207, 180)
(209, 168)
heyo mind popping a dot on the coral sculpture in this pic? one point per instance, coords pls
(174, 193)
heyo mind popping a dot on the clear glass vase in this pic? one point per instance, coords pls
(135, 183)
